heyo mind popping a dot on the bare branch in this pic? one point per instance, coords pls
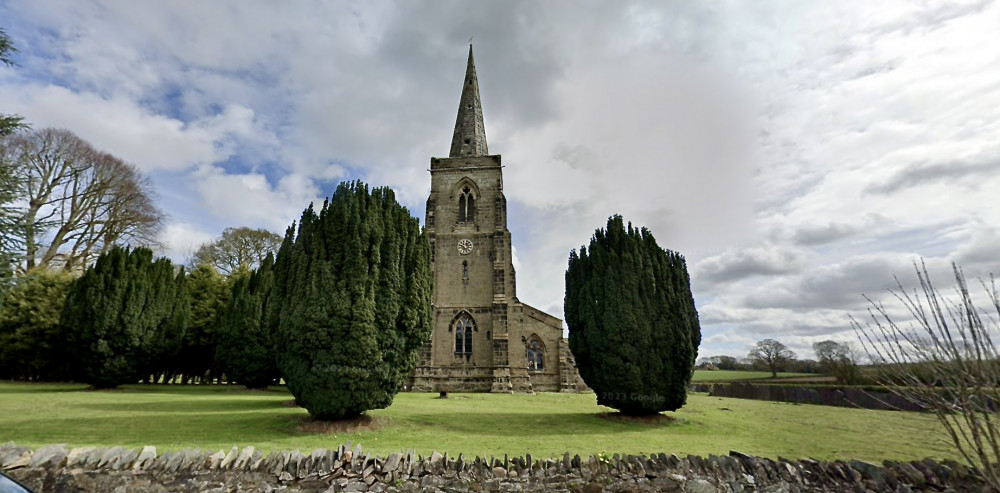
(77, 201)
(945, 361)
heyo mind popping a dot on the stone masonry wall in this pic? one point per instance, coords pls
(825, 396)
(55, 468)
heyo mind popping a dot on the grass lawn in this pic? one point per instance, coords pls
(730, 375)
(544, 425)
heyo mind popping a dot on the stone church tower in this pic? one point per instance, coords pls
(484, 339)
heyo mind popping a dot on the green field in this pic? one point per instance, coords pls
(730, 375)
(219, 417)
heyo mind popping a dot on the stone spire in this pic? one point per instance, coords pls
(470, 133)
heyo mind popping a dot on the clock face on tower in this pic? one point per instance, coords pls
(465, 246)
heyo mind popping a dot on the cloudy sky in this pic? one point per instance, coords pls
(799, 154)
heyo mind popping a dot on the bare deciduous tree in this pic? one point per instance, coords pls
(839, 359)
(943, 358)
(76, 202)
(237, 248)
(771, 354)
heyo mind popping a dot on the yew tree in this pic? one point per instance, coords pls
(351, 302)
(209, 292)
(246, 347)
(31, 344)
(633, 326)
(125, 317)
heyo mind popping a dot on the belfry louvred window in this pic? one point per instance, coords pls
(466, 206)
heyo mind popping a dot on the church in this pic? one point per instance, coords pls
(484, 339)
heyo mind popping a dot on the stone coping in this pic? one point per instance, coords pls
(348, 468)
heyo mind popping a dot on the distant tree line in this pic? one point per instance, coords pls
(837, 359)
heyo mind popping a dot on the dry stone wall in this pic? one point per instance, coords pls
(56, 468)
(824, 396)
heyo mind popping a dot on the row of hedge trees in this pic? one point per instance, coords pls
(339, 314)
(36, 346)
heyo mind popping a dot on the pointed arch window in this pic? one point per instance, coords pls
(466, 205)
(536, 354)
(463, 326)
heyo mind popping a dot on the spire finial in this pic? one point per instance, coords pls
(470, 132)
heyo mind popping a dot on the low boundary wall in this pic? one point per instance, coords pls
(825, 396)
(55, 468)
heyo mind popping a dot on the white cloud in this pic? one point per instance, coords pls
(738, 263)
(668, 152)
(250, 199)
(148, 140)
(980, 251)
(180, 240)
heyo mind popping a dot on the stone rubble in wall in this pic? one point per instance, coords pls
(55, 468)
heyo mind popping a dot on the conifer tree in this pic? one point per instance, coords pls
(209, 291)
(31, 345)
(351, 302)
(246, 348)
(125, 317)
(633, 326)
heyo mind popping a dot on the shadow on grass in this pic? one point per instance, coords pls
(310, 425)
(188, 390)
(18, 387)
(542, 424)
(12, 387)
(197, 406)
(189, 430)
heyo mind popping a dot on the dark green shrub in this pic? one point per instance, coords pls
(246, 347)
(633, 327)
(209, 293)
(124, 319)
(31, 344)
(351, 302)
